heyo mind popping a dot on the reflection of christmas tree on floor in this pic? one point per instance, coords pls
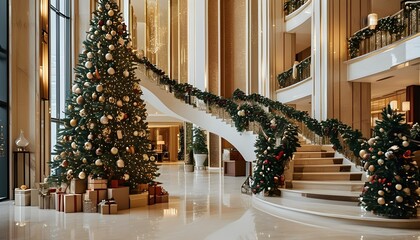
(105, 132)
(392, 187)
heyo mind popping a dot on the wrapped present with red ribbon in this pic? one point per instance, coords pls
(163, 197)
(73, 203)
(96, 196)
(108, 207)
(117, 183)
(59, 201)
(97, 183)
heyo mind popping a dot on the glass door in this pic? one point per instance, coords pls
(4, 159)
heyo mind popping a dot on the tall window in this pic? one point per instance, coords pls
(60, 64)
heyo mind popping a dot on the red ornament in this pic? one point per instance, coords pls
(125, 115)
(407, 154)
(281, 153)
(101, 22)
(97, 75)
(265, 162)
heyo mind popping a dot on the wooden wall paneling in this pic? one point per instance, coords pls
(215, 152)
(183, 41)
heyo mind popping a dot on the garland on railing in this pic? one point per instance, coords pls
(342, 137)
(282, 77)
(292, 5)
(389, 24)
(272, 156)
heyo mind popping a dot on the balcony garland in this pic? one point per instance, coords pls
(282, 77)
(389, 24)
(292, 5)
(341, 136)
(272, 157)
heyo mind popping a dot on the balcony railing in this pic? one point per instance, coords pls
(302, 72)
(292, 5)
(402, 24)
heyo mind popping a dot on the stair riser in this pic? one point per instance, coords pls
(317, 161)
(327, 177)
(326, 186)
(322, 169)
(309, 148)
(313, 154)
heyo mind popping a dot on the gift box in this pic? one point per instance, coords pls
(97, 183)
(143, 187)
(164, 198)
(121, 196)
(108, 207)
(59, 201)
(46, 201)
(89, 206)
(96, 196)
(155, 190)
(73, 203)
(34, 197)
(117, 183)
(139, 200)
(78, 186)
(22, 197)
(151, 200)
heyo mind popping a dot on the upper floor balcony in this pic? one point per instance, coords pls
(386, 31)
(389, 49)
(298, 14)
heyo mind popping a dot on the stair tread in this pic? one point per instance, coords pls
(328, 173)
(335, 182)
(322, 165)
(326, 192)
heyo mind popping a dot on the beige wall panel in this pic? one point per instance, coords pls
(215, 152)
(162, 35)
(173, 144)
(213, 46)
(253, 48)
(183, 40)
(234, 21)
(174, 40)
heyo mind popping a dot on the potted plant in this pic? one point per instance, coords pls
(199, 147)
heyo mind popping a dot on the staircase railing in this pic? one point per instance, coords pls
(292, 5)
(303, 71)
(277, 139)
(344, 139)
(402, 24)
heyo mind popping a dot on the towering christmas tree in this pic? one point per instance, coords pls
(392, 186)
(105, 133)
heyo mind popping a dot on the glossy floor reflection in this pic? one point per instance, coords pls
(203, 205)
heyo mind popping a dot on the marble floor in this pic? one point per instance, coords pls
(202, 205)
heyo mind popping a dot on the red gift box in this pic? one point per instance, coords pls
(155, 190)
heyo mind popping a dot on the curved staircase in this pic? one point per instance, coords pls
(167, 103)
(319, 184)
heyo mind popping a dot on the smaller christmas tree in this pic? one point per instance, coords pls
(392, 187)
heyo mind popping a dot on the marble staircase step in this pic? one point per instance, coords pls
(309, 148)
(344, 217)
(328, 176)
(322, 195)
(352, 186)
(322, 168)
(317, 161)
(313, 154)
